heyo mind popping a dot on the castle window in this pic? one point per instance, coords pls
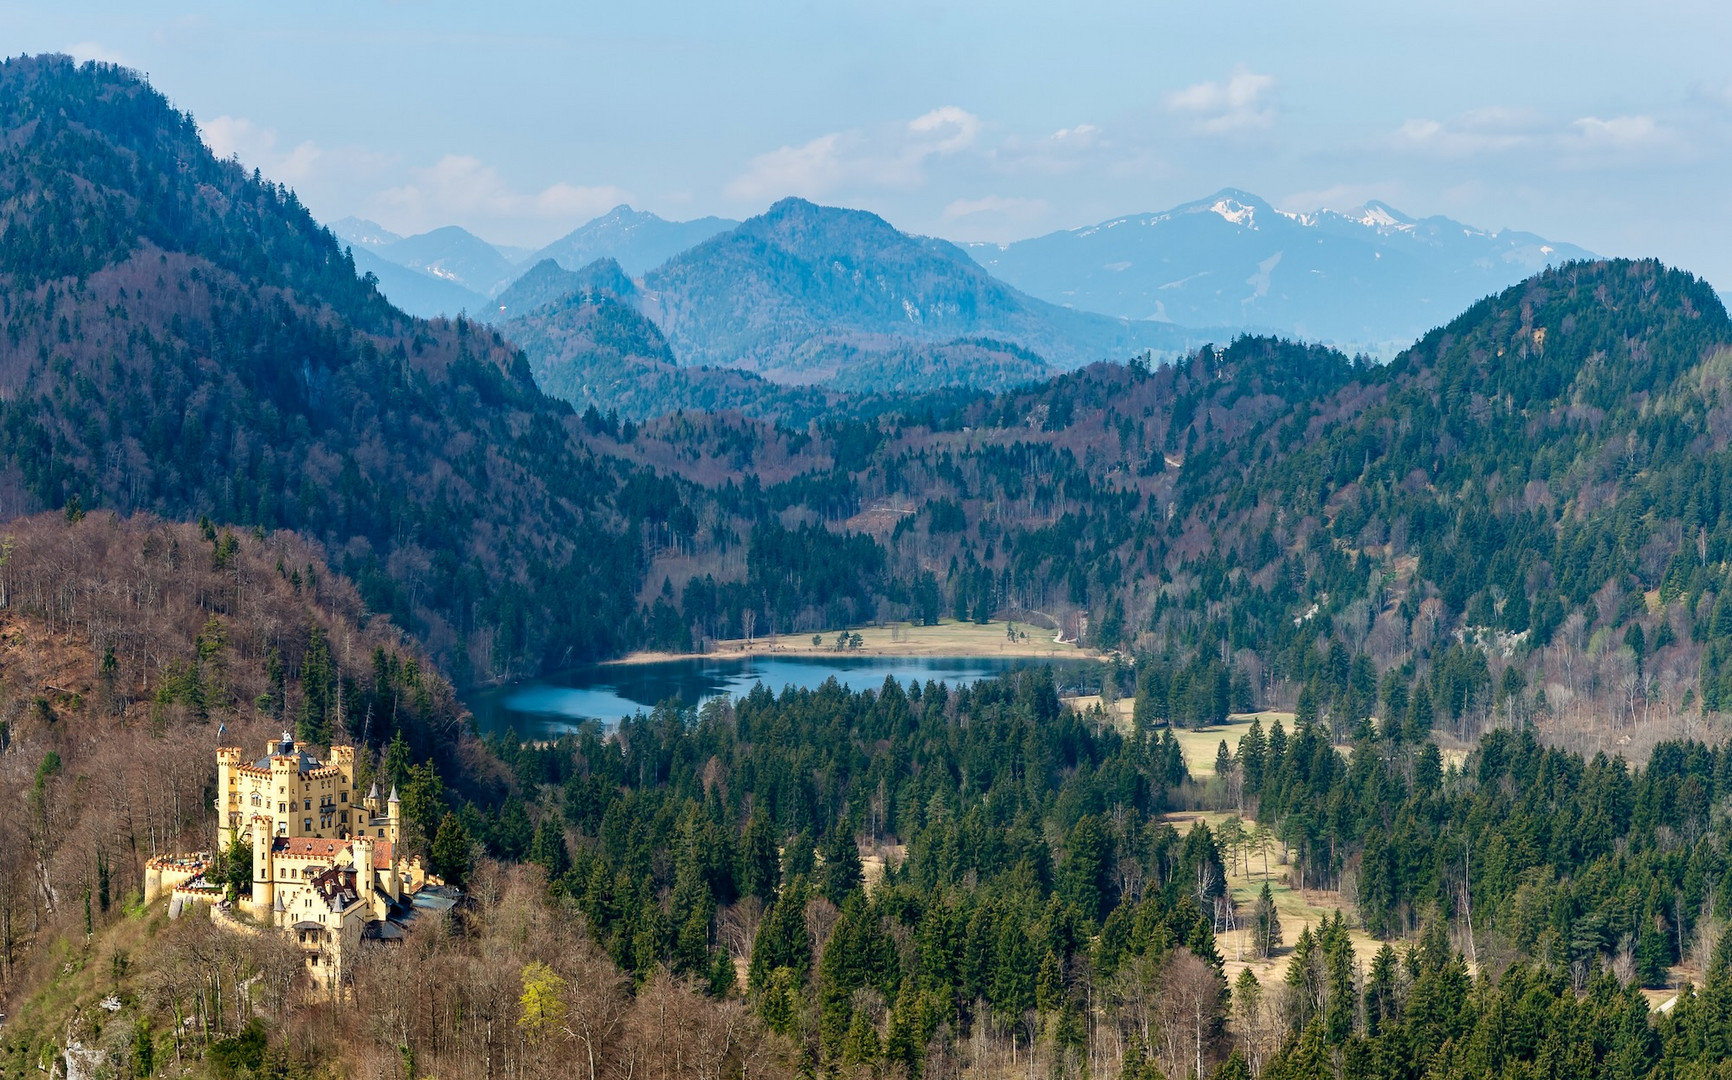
(309, 824)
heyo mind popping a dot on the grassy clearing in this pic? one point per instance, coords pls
(948, 639)
(1199, 746)
(1297, 909)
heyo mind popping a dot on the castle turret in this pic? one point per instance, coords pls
(286, 787)
(393, 814)
(343, 757)
(264, 874)
(228, 805)
(363, 854)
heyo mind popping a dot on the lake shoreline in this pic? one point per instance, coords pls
(948, 640)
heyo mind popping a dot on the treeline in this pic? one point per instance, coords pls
(1541, 481)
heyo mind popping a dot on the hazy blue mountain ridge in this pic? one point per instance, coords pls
(454, 254)
(414, 292)
(1368, 278)
(637, 240)
(776, 292)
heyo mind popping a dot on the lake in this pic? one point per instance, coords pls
(608, 692)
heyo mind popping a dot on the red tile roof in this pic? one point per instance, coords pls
(313, 846)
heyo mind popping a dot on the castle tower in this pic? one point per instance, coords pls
(264, 873)
(393, 812)
(343, 757)
(362, 847)
(228, 807)
(285, 787)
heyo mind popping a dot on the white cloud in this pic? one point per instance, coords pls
(1065, 151)
(892, 158)
(811, 169)
(1478, 131)
(1617, 132)
(96, 50)
(461, 186)
(1016, 209)
(1237, 103)
(255, 146)
(1587, 141)
(944, 130)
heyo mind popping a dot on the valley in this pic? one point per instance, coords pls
(795, 649)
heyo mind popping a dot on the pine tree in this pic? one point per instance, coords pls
(760, 869)
(548, 849)
(1417, 726)
(841, 873)
(318, 690)
(782, 941)
(1265, 925)
(450, 855)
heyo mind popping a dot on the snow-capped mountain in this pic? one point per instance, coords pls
(1367, 278)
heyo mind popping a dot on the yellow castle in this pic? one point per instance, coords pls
(326, 864)
(298, 795)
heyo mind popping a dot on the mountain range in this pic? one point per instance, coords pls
(1369, 278)
(801, 295)
(805, 294)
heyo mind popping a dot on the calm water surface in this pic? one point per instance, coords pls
(609, 692)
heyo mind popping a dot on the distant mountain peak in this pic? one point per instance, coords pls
(1239, 213)
(360, 232)
(637, 239)
(806, 292)
(1380, 215)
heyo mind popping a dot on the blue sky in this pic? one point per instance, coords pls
(1607, 125)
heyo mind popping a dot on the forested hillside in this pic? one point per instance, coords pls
(127, 642)
(183, 338)
(1537, 484)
